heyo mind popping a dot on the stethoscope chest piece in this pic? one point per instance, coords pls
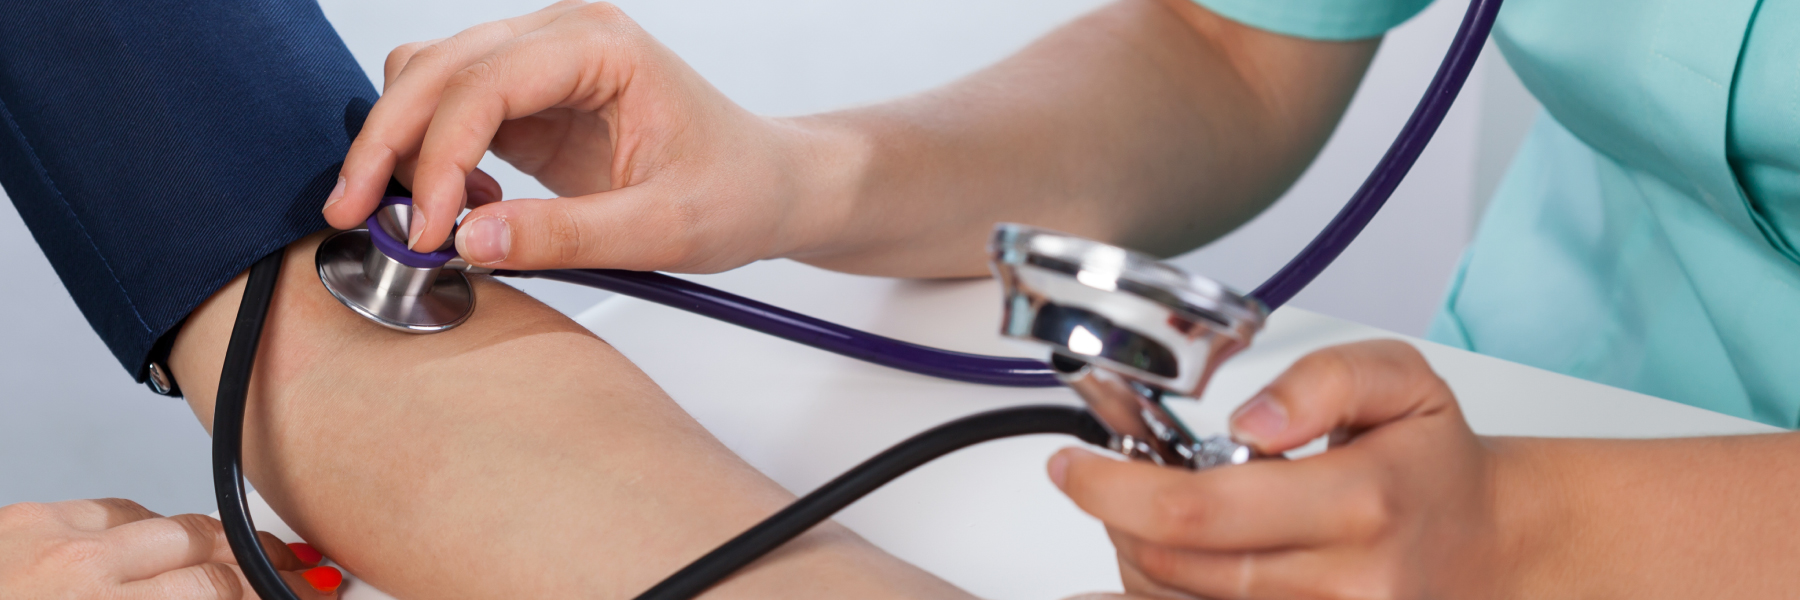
(422, 297)
(1123, 330)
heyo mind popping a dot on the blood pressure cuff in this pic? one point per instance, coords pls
(157, 148)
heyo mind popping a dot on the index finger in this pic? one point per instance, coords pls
(397, 122)
(100, 514)
(1346, 388)
(221, 581)
(567, 62)
(153, 546)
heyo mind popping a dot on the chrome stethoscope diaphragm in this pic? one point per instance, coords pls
(1123, 330)
(372, 271)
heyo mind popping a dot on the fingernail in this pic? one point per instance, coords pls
(324, 579)
(416, 228)
(306, 553)
(1259, 420)
(337, 193)
(486, 240)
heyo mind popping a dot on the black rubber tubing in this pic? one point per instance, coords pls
(228, 431)
(838, 493)
(702, 574)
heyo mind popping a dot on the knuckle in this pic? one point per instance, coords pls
(606, 12)
(490, 29)
(430, 54)
(1173, 511)
(1402, 350)
(477, 76)
(25, 514)
(199, 526)
(564, 230)
(220, 579)
(400, 55)
(1367, 512)
(363, 144)
(1408, 360)
(369, 147)
(123, 507)
(1333, 369)
(74, 552)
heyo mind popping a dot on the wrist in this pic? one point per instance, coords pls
(1534, 508)
(826, 163)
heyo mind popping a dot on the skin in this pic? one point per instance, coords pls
(1155, 124)
(117, 549)
(516, 456)
(1152, 124)
(1409, 503)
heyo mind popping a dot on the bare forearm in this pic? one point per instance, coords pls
(1687, 518)
(1154, 124)
(515, 456)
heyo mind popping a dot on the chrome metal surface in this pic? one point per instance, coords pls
(1133, 412)
(159, 381)
(382, 289)
(1141, 425)
(1119, 309)
(396, 220)
(1124, 329)
(1219, 451)
(391, 278)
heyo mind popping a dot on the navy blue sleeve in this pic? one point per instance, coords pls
(157, 148)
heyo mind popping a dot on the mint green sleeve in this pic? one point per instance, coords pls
(1319, 19)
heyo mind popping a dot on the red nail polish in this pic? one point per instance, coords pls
(306, 553)
(324, 579)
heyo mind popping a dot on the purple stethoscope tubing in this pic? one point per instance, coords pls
(819, 505)
(396, 249)
(1331, 242)
(1459, 60)
(792, 326)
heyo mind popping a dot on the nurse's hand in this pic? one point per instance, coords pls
(1402, 505)
(116, 549)
(658, 169)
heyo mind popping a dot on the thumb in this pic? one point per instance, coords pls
(1353, 387)
(619, 229)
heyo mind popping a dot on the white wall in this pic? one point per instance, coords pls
(73, 425)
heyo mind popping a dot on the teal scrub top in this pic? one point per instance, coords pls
(1645, 234)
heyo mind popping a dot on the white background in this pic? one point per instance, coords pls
(73, 425)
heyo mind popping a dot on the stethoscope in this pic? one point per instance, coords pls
(1123, 330)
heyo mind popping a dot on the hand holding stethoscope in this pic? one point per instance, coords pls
(657, 169)
(694, 183)
(1402, 506)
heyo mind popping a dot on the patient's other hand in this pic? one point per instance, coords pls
(114, 548)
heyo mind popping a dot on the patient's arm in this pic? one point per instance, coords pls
(515, 456)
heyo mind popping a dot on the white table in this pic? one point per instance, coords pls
(987, 518)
